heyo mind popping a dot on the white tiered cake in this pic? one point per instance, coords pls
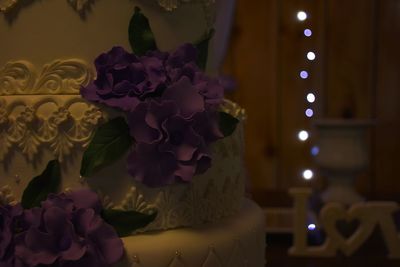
(47, 54)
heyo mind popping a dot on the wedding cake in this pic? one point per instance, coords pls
(117, 147)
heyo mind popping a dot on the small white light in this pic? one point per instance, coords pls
(311, 98)
(308, 174)
(307, 32)
(301, 16)
(303, 135)
(314, 150)
(311, 56)
(309, 112)
(311, 227)
(303, 74)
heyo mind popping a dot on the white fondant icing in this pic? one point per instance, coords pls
(209, 245)
(58, 77)
(177, 261)
(212, 259)
(55, 31)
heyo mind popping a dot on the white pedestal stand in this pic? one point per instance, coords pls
(343, 154)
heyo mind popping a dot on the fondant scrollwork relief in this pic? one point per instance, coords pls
(194, 205)
(79, 5)
(82, 5)
(170, 5)
(30, 126)
(6, 196)
(57, 77)
(6, 5)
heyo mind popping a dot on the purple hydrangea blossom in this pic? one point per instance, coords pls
(171, 107)
(66, 230)
(124, 79)
(170, 147)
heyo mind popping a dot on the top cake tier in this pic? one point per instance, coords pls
(40, 32)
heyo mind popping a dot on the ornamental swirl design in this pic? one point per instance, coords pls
(170, 5)
(24, 127)
(81, 6)
(57, 77)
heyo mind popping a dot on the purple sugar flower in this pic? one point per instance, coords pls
(186, 97)
(146, 120)
(206, 125)
(124, 80)
(53, 239)
(170, 147)
(9, 216)
(66, 230)
(182, 62)
(71, 201)
(185, 54)
(211, 89)
(150, 166)
(171, 107)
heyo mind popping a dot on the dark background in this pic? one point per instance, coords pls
(356, 73)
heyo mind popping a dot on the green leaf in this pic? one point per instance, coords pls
(141, 36)
(202, 48)
(125, 222)
(41, 186)
(110, 142)
(227, 123)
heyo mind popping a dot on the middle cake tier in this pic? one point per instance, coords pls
(38, 128)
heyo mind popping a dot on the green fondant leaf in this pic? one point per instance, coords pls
(202, 48)
(227, 123)
(110, 142)
(41, 186)
(141, 36)
(125, 222)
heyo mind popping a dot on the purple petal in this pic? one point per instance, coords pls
(150, 166)
(184, 54)
(110, 246)
(36, 247)
(55, 220)
(185, 96)
(86, 221)
(185, 172)
(85, 199)
(140, 130)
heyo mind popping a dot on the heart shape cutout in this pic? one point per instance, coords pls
(347, 228)
(333, 213)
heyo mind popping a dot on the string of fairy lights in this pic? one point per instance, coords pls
(303, 135)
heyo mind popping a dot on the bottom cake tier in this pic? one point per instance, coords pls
(237, 241)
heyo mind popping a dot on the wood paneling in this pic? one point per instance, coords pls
(356, 73)
(252, 61)
(387, 142)
(349, 58)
